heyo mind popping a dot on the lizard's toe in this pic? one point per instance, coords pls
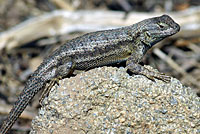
(163, 77)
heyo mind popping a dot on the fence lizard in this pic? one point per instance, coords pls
(96, 49)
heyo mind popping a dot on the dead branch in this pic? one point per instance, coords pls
(62, 22)
(175, 66)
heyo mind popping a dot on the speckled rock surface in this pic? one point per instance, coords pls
(108, 100)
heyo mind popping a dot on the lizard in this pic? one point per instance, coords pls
(126, 44)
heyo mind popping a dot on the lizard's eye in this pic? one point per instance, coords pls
(162, 25)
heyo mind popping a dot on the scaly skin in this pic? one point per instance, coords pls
(97, 49)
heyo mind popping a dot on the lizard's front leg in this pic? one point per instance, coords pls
(133, 66)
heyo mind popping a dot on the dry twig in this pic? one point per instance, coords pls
(175, 66)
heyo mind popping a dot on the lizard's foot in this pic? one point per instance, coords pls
(148, 72)
(153, 73)
(46, 91)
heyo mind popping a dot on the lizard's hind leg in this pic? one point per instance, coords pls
(47, 89)
(62, 71)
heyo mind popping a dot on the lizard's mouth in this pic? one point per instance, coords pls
(170, 31)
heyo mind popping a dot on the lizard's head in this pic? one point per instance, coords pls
(156, 29)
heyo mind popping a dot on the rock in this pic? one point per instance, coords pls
(109, 100)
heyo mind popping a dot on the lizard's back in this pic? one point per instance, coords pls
(97, 48)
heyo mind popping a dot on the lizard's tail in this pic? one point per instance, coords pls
(33, 85)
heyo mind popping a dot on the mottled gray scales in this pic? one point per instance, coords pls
(97, 49)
